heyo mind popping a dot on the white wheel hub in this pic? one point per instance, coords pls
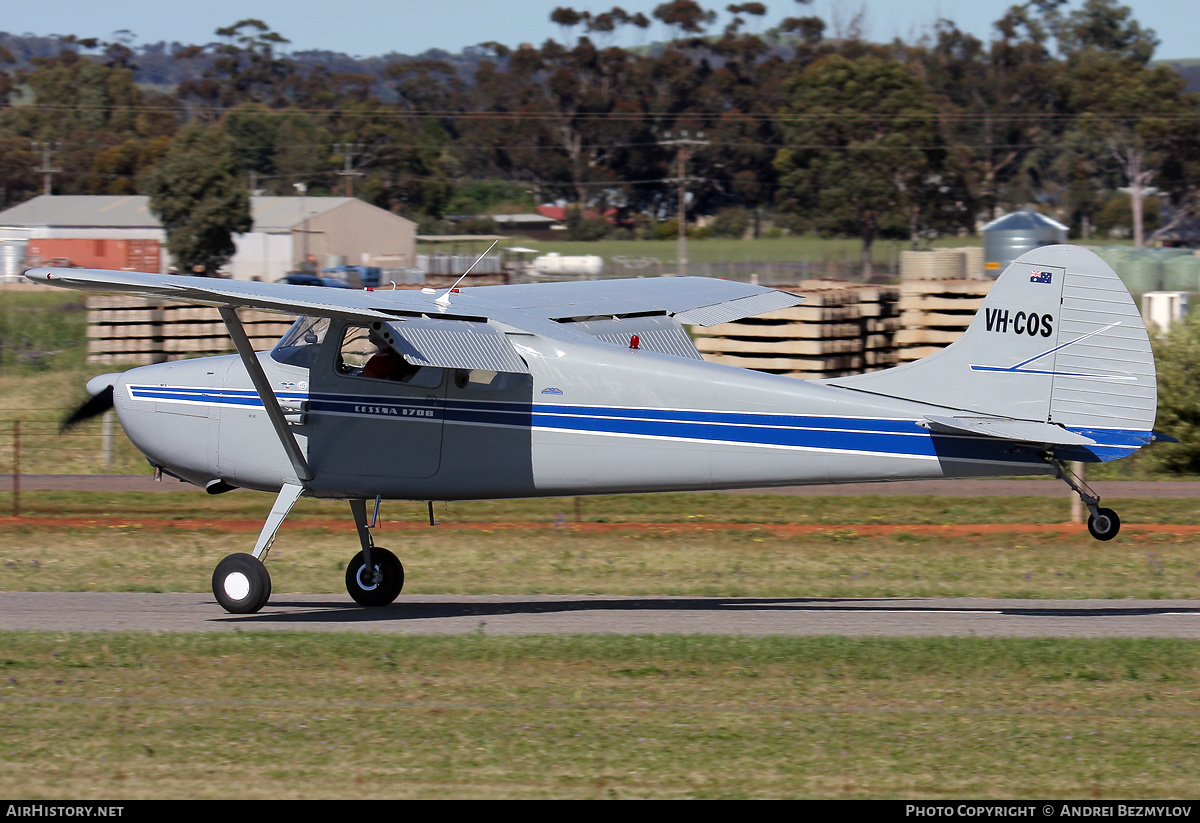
(366, 579)
(237, 585)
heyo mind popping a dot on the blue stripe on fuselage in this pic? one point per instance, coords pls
(850, 434)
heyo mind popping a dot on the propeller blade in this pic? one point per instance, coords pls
(95, 405)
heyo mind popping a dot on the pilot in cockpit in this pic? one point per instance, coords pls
(386, 363)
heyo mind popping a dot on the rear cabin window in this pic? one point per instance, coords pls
(486, 380)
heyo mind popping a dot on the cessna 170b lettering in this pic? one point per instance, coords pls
(595, 387)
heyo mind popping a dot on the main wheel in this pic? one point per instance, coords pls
(376, 586)
(1104, 524)
(241, 584)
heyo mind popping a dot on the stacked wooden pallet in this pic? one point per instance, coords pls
(136, 331)
(198, 330)
(963, 263)
(935, 313)
(841, 329)
(123, 329)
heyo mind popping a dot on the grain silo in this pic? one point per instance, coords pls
(1007, 238)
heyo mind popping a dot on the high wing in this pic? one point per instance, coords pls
(464, 329)
(692, 300)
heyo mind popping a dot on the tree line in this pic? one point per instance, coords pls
(814, 127)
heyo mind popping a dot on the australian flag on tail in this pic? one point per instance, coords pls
(1039, 277)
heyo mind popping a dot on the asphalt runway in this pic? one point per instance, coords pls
(598, 614)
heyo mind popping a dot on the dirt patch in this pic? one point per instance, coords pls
(779, 529)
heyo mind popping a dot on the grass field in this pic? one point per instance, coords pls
(684, 544)
(791, 249)
(373, 716)
(267, 715)
(751, 563)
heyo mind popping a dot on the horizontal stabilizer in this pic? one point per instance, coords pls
(1020, 431)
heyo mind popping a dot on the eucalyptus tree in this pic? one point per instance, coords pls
(858, 136)
(197, 193)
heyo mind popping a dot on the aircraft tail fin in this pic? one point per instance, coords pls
(1057, 341)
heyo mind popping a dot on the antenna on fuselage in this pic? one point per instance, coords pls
(444, 300)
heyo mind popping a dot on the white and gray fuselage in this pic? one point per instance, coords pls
(588, 418)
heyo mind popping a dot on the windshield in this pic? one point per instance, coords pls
(300, 345)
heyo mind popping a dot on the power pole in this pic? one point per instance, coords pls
(302, 188)
(685, 146)
(347, 151)
(47, 171)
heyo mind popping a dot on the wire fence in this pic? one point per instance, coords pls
(33, 446)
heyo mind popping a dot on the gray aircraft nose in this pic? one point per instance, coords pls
(101, 382)
(100, 388)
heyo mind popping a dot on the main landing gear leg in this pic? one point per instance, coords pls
(1103, 524)
(241, 583)
(375, 576)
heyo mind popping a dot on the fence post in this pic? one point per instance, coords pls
(16, 470)
(106, 438)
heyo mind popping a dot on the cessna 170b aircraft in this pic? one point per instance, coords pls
(595, 387)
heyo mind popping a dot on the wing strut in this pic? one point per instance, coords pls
(263, 386)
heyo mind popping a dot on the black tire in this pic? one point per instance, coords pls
(365, 590)
(1104, 525)
(241, 584)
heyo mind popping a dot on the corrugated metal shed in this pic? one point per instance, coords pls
(270, 214)
(282, 214)
(82, 211)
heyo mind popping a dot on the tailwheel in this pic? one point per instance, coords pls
(1104, 524)
(379, 584)
(241, 584)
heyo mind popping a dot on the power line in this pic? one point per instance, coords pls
(722, 117)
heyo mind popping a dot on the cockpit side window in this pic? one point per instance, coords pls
(303, 340)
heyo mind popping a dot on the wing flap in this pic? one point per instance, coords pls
(699, 301)
(1020, 431)
(730, 310)
(658, 333)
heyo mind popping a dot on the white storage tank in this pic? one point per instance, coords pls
(574, 265)
(1164, 308)
(12, 260)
